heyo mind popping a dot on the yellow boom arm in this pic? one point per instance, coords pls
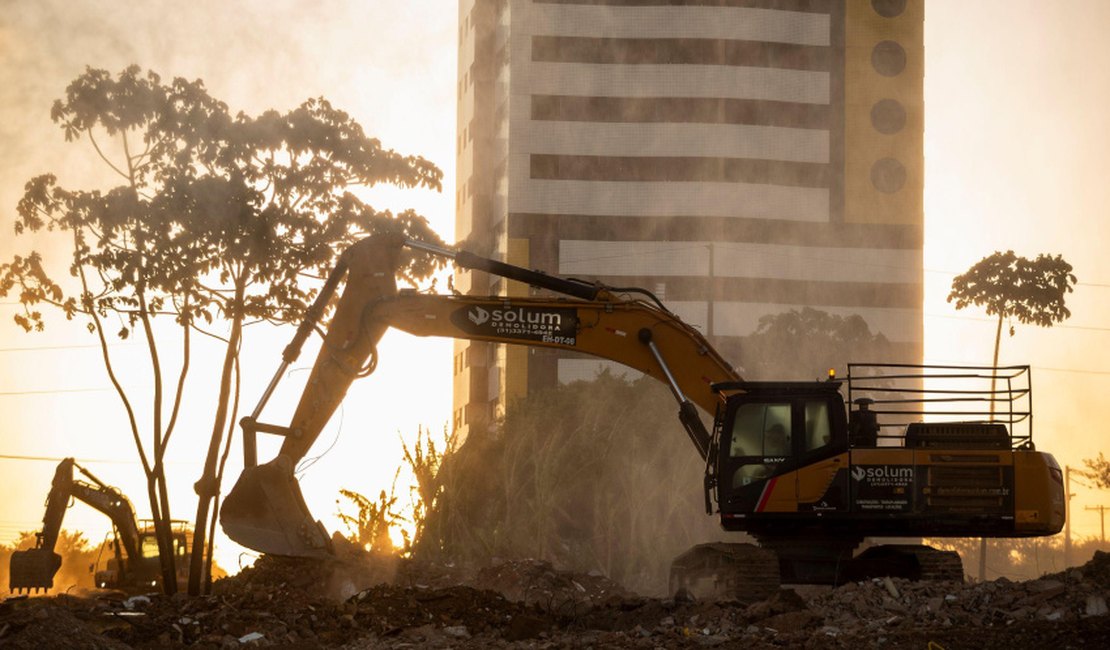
(266, 511)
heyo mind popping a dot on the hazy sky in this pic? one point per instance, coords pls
(1016, 137)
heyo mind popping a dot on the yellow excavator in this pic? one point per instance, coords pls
(133, 565)
(806, 470)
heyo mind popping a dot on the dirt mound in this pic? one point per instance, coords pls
(537, 582)
(282, 602)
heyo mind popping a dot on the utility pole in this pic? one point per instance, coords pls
(712, 294)
(1067, 516)
(1102, 520)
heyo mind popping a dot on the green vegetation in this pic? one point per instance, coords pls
(591, 476)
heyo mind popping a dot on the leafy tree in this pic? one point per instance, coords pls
(219, 221)
(1098, 470)
(1009, 286)
(799, 343)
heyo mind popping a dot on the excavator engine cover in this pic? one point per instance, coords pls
(267, 512)
(33, 569)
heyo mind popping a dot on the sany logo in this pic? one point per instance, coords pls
(477, 315)
(882, 472)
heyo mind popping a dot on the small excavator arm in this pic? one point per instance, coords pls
(266, 510)
(34, 569)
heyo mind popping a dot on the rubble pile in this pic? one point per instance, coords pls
(537, 582)
(527, 603)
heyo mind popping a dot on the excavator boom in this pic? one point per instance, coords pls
(266, 510)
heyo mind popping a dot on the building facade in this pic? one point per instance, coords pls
(739, 158)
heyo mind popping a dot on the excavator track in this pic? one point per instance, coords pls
(909, 561)
(720, 571)
(939, 565)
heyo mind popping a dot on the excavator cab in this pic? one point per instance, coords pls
(909, 450)
(767, 430)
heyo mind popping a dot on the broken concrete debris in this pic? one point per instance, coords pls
(528, 603)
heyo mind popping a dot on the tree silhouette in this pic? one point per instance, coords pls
(219, 221)
(807, 342)
(1009, 286)
(1098, 470)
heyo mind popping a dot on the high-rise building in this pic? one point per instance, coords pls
(737, 157)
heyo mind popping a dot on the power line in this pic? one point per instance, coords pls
(104, 461)
(67, 347)
(53, 459)
(982, 319)
(55, 391)
(59, 459)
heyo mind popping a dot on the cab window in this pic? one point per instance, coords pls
(760, 442)
(149, 546)
(818, 430)
(761, 430)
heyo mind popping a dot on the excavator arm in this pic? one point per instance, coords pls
(266, 510)
(35, 568)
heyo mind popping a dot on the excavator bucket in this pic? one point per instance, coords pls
(266, 511)
(33, 569)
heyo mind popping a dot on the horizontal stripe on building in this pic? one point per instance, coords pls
(679, 169)
(738, 82)
(771, 291)
(580, 367)
(706, 110)
(671, 140)
(815, 6)
(680, 51)
(780, 22)
(745, 260)
(683, 227)
(655, 199)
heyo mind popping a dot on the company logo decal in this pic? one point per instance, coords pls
(477, 315)
(553, 325)
(885, 488)
(883, 474)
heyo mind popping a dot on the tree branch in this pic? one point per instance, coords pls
(103, 157)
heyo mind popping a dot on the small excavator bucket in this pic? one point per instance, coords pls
(33, 569)
(266, 511)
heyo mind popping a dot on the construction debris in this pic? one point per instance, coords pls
(528, 603)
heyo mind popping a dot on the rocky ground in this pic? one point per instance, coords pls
(282, 603)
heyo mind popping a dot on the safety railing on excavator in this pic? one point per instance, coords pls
(935, 405)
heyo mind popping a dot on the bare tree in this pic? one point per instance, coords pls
(219, 221)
